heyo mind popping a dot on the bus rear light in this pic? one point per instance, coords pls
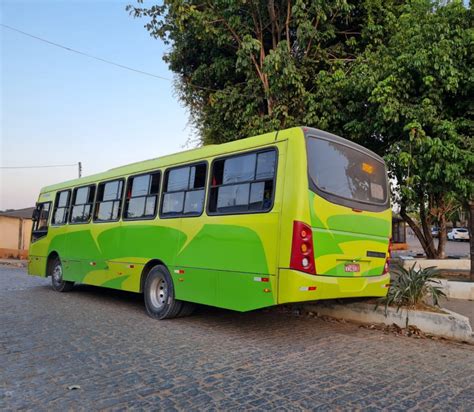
(302, 254)
(259, 279)
(307, 288)
(386, 267)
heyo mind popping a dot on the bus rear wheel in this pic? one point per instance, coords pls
(160, 302)
(56, 272)
(187, 309)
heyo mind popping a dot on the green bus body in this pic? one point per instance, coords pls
(243, 260)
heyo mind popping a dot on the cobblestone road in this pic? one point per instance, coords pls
(102, 341)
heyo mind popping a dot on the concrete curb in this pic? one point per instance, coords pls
(444, 264)
(449, 325)
(457, 290)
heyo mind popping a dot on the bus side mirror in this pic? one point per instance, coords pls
(35, 215)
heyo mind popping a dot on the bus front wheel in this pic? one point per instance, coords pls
(160, 302)
(56, 272)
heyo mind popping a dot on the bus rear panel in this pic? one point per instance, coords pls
(340, 243)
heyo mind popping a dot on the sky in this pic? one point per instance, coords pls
(61, 108)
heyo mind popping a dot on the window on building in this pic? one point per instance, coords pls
(82, 203)
(142, 196)
(183, 191)
(243, 184)
(108, 202)
(61, 207)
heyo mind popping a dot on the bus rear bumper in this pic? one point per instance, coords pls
(295, 286)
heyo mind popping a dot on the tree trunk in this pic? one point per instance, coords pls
(425, 224)
(442, 237)
(428, 251)
(471, 232)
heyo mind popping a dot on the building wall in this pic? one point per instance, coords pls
(15, 235)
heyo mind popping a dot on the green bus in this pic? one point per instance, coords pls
(289, 216)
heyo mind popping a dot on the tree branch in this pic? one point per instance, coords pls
(287, 25)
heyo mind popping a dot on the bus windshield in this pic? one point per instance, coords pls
(346, 172)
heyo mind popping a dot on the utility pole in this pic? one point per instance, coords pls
(79, 167)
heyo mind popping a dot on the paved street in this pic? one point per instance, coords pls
(102, 341)
(452, 248)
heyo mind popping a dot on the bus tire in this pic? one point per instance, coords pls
(159, 297)
(187, 309)
(56, 273)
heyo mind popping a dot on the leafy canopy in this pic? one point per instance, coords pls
(394, 75)
(245, 67)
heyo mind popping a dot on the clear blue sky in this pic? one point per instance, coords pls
(58, 107)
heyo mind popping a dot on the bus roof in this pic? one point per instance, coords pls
(170, 160)
(203, 153)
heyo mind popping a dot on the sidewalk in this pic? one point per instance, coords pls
(463, 307)
(14, 262)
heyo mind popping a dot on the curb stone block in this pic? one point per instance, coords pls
(449, 325)
(457, 290)
(445, 264)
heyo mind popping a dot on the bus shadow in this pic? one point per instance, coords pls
(253, 324)
(106, 295)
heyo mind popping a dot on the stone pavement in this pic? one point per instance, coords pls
(21, 263)
(102, 341)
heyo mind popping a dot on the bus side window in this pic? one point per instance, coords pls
(141, 200)
(183, 191)
(108, 201)
(40, 221)
(243, 183)
(61, 207)
(82, 202)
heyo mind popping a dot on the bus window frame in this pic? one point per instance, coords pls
(162, 190)
(94, 219)
(95, 185)
(274, 180)
(341, 200)
(43, 233)
(55, 207)
(158, 195)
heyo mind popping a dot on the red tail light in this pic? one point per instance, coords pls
(302, 254)
(386, 267)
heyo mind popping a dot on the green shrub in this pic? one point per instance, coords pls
(409, 288)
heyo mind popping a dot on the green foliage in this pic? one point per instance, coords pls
(393, 75)
(410, 287)
(419, 88)
(246, 67)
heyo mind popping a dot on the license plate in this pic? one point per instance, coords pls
(352, 267)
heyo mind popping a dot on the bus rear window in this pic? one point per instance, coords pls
(346, 172)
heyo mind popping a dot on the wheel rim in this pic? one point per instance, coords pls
(158, 293)
(57, 274)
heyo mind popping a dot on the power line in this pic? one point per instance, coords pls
(36, 167)
(102, 59)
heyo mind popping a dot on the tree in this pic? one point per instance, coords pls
(394, 75)
(415, 94)
(246, 67)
